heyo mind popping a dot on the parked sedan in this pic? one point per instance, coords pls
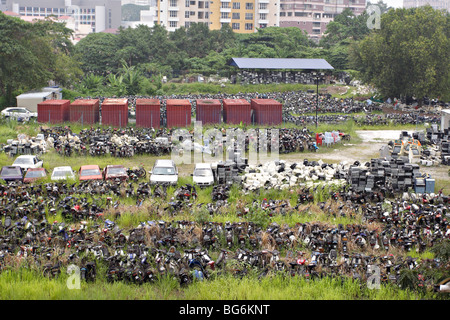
(63, 173)
(18, 113)
(90, 172)
(11, 173)
(28, 161)
(112, 172)
(34, 174)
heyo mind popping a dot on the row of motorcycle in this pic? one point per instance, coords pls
(90, 235)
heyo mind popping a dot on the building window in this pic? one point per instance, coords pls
(186, 14)
(206, 14)
(249, 26)
(187, 24)
(206, 4)
(173, 24)
(248, 6)
(236, 15)
(173, 3)
(236, 5)
(235, 26)
(192, 13)
(249, 16)
(173, 14)
(186, 3)
(282, 14)
(225, 5)
(262, 6)
(200, 15)
(192, 3)
(201, 5)
(225, 15)
(263, 16)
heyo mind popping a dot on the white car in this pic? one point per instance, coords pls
(28, 161)
(203, 175)
(63, 173)
(164, 172)
(18, 113)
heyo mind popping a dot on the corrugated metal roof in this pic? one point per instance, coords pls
(280, 63)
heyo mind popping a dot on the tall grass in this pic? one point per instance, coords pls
(25, 284)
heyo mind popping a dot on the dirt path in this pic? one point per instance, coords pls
(369, 149)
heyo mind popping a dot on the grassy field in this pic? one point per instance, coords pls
(25, 282)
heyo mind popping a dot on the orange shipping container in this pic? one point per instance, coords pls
(148, 113)
(86, 111)
(236, 111)
(267, 111)
(115, 112)
(53, 111)
(208, 111)
(178, 113)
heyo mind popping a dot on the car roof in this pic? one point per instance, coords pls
(63, 168)
(203, 165)
(163, 162)
(90, 166)
(36, 169)
(11, 167)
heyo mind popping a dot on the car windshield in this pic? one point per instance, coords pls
(90, 172)
(10, 172)
(116, 171)
(23, 161)
(164, 171)
(35, 174)
(203, 172)
(62, 173)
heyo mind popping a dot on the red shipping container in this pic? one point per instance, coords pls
(267, 111)
(53, 111)
(236, 111)
(148, 113)
(115, 112)
(178, 113)
(85, 111)
(208, 111)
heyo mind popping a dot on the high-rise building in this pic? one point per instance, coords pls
(314, 15)
(244, 16)
(435, 4)
(96, 15)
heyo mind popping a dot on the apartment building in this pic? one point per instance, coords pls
(95, 15)
(435, 4)
(314, 15)
(244, 16)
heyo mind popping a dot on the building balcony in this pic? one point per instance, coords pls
(225, 20)
(225, 10)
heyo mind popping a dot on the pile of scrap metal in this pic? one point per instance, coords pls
(24, 145)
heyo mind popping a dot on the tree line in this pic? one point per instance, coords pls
(406, 56)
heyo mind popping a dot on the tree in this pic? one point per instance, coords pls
(408, 55)
(30, 55)
(97, 53)
(345, 26)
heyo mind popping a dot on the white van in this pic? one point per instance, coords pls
(164, 172)
(203, 175)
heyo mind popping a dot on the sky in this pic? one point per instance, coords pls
(393, 3)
